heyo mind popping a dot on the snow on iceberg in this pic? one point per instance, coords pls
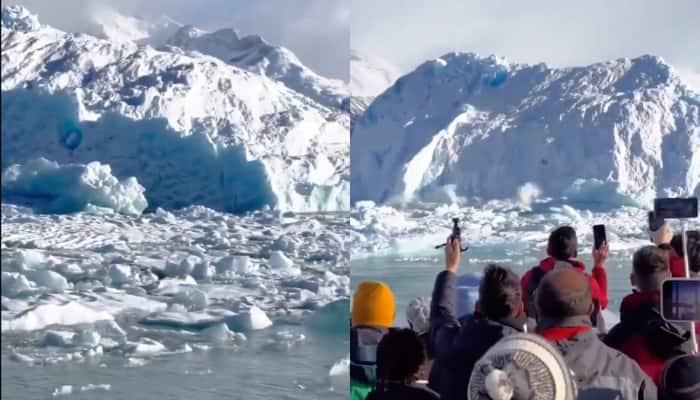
(44, 315)
(254, 54)
(69, 188)
(18, 18)
(489, 127)
(192, 129)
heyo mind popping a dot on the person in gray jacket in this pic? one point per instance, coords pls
(564, 305)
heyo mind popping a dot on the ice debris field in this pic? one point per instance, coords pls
(78, 286)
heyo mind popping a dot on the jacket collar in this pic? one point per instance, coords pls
(566, 322)
(637, 300)
(516, 322)
(550, 263)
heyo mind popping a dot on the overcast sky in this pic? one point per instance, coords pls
(561, 33)
(317, 31)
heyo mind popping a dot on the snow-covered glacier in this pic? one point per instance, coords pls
(369, 76)
(254, 54)
(190, 128)
(469, 126)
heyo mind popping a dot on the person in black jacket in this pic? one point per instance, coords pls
(399, 356)
(457, 345)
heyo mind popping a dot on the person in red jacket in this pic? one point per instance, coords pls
(562, 249)
(663, 237)
(676, 244)
(642, 333)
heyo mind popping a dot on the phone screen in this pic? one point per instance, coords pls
(676, 208)
(598, 235)
(680, 299)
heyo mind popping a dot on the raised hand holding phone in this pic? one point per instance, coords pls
(600, 245)
(453, 254)
(600, 255)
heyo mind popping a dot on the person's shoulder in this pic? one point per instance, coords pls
(421, 392)
(621, 362)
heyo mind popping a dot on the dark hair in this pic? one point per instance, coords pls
(499, 292)
(562, 243)
(693, 249)
(568, 296)
(679, 378)
(651, 266)
(400, 354)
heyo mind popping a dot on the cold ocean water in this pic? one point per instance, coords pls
(396, 246)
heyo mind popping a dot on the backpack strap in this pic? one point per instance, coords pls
(363, 360)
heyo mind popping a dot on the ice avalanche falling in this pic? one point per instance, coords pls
(190, 128)
(467, 126)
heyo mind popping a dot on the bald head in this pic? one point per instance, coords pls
(564, 293)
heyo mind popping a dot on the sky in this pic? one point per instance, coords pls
(317, 31)
(560, 33)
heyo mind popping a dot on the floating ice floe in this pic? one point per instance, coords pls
(283, 265)
(73, 187)
(90, 387)
(144, 347)
(121, 274)
(234, 265)
(203, 271)
(192, 298)
(44, 315)
(49, 279)
(58, 338)
(339, 375)
(15, 283)
(220, 333)
(63, 390)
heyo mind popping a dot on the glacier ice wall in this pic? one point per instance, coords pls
(487, 127)
(190, 128)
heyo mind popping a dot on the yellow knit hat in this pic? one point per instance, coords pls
(373, 304)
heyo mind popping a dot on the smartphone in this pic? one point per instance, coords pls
(676, 208)
(599, 235)
(655, 222)
(680, 299)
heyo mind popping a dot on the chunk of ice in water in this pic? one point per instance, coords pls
(15, 283)
(339, 375)
(58, 338)
(120, 274)
(234, 265)
(87, 338)
(253, 319)
(49, 279)
(88, 387)
(41, 316)
(203, 271)
(63, 390)
(279, 262)
(19, 357)
(146, 346)
(193, 299)
(220, 333)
